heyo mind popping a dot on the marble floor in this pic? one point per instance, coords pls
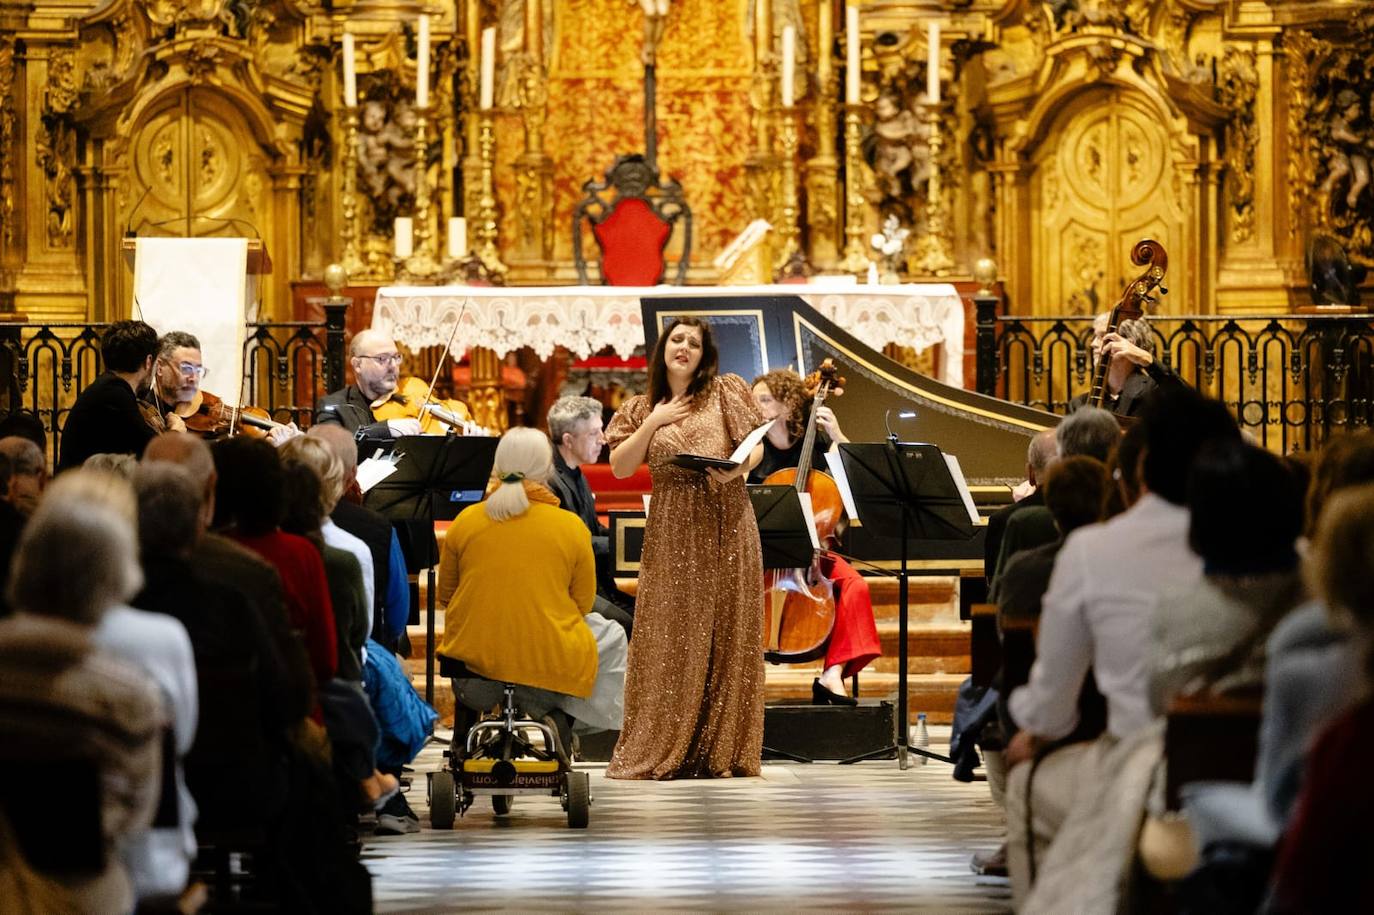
(819, 837)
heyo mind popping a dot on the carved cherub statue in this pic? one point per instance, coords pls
(372, 148)
(900, 151)
(1352, 150)
(399, 135)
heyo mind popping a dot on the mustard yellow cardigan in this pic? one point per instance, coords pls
(515, 593)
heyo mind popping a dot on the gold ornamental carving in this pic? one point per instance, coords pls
(1237, 90)
(8, 121)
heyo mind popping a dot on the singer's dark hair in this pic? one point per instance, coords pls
(659, 390)
(126, 345)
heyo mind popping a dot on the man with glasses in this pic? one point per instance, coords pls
(177, 373)
(376, 370)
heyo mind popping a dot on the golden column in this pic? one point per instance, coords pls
(760, 168)
(472, 159)
(822, 172)
(534, 168)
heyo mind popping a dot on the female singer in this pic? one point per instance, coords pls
(854, 642)
(694, 684)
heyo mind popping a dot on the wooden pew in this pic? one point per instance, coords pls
(1209, 738)
(985, 648)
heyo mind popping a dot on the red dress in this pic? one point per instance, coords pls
(307, 594)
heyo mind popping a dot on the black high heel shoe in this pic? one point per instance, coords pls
(822, 696)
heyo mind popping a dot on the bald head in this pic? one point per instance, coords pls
(366, 341)
(185, 449)
(1042, 451)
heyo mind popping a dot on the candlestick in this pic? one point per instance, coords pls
(486, 229)
(825, 41)
(855, 251)
(763, 32)
(350, 72)
(457, 237)
(488, 68)
(852, 58)
(788, 229)
(534, 30)
(403, 237)
(933, 65)
(422, 65)
(348, 198)
(789, 63)
(932, 255)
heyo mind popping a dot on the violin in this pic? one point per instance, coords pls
(209, 416)
(412, 400)
(799, 604)
(1149, 252)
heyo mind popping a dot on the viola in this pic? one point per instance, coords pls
(1149, 252)
(799, 604)
(436, 415)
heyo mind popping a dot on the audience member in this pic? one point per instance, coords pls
(1245, 516)
(1096, 613)
(235, 767)
(23, 424)
(1123, 469)
(315, 454)
(1324, 858)
(28, 473)
(1040, 454)
(230, 565)
(1088, 432)
(159, 860)
(11, 526)
(576, 429)
(121, 465)
(62, 698)
(391, 606)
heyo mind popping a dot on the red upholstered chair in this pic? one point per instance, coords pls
(632, 215)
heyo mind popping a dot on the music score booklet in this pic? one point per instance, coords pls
(738, 457)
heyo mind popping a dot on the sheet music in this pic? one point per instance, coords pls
(810, 516)
(646, 497)
(741, 454)
(836, 465)
(958, 476)
(373, 471)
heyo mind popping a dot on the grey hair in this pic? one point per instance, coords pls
(25, 456)
(169, 508)
(323, 462)
(340, 441)
(1042, 451)
(524, 452)
(121, 465)
(76, 557)
(1090, 431)
(1139, 333)
(567, 412)
(173, 340)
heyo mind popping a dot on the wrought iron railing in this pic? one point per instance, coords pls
(288, 365)
(1289, 380)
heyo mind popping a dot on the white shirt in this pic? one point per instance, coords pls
(1098, 612)
(159, 859)
(341, 539)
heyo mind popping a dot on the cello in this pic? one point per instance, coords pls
(799, 604)
(1149, 252)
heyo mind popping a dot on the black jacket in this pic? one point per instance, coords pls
(375, 531)
(1136, 390)
(575, 495)
(104, 420)
(351, 409)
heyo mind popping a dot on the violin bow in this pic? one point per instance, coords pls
(448, 348)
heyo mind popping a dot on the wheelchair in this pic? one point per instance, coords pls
(502, 757)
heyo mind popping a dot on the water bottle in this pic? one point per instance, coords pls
(922, 737)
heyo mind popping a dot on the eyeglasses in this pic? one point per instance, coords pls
(385, 359)
(190, 369)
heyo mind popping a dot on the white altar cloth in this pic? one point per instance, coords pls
(586, 319)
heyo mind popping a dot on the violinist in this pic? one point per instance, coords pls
(106, 416)
(377, 408)
(176, 392)
(854, 640)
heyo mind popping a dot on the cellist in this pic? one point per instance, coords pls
(378, 408)
(854, 640)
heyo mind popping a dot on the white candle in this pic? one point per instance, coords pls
(422, 66)
(933, 56)
(350, 65)
(488, 82)
(457, 237)
(405, 236)
(851, 59)
(789, 63)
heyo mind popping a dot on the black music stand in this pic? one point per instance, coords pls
(907, 486)
(785, 536)
(436, 477)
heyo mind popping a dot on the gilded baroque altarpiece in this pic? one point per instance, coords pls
(1231, 131)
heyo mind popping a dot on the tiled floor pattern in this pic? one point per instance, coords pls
(815, 837)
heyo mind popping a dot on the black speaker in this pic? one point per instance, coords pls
(800, 730)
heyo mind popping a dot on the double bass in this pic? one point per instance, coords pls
(799, 604)
(1150, 254)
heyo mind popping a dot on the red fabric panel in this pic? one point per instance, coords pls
(632, 239)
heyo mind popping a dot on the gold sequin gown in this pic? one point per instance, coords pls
(694, 683)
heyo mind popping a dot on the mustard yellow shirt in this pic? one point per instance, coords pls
(516, 592)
